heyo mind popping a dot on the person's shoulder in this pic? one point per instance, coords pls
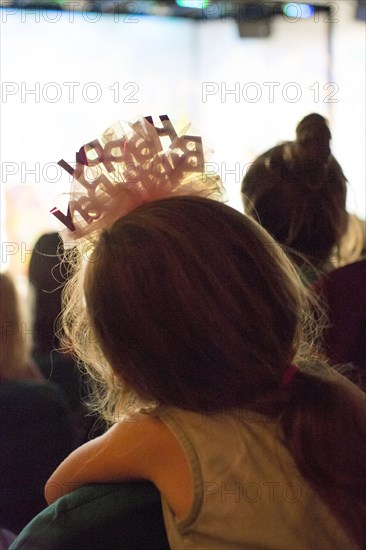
(342, 277)
(148, 431)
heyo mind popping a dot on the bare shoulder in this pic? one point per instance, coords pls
(142, 433)
(163, 460)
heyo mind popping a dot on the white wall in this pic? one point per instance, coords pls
(165, 65)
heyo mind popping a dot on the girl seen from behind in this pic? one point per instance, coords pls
(195, 329)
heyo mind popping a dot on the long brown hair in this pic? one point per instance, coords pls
(190, 304)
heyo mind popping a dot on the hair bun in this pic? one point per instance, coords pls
(313, 138)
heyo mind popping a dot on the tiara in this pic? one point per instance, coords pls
(128, 166)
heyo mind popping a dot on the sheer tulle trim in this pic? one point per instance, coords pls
(128, 166)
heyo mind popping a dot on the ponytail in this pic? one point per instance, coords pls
(328, 442)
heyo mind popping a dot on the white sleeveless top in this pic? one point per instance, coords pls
(248, 492)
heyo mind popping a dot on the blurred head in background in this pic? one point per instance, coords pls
(297, 192)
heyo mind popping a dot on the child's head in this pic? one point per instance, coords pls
(192, 304)
(297, 192)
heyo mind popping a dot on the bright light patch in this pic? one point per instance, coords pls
(298, 10)
(199, 4)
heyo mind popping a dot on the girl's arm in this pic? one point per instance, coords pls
(119, 454)
(141, 448)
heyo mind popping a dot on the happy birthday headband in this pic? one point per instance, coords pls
(128, 166)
